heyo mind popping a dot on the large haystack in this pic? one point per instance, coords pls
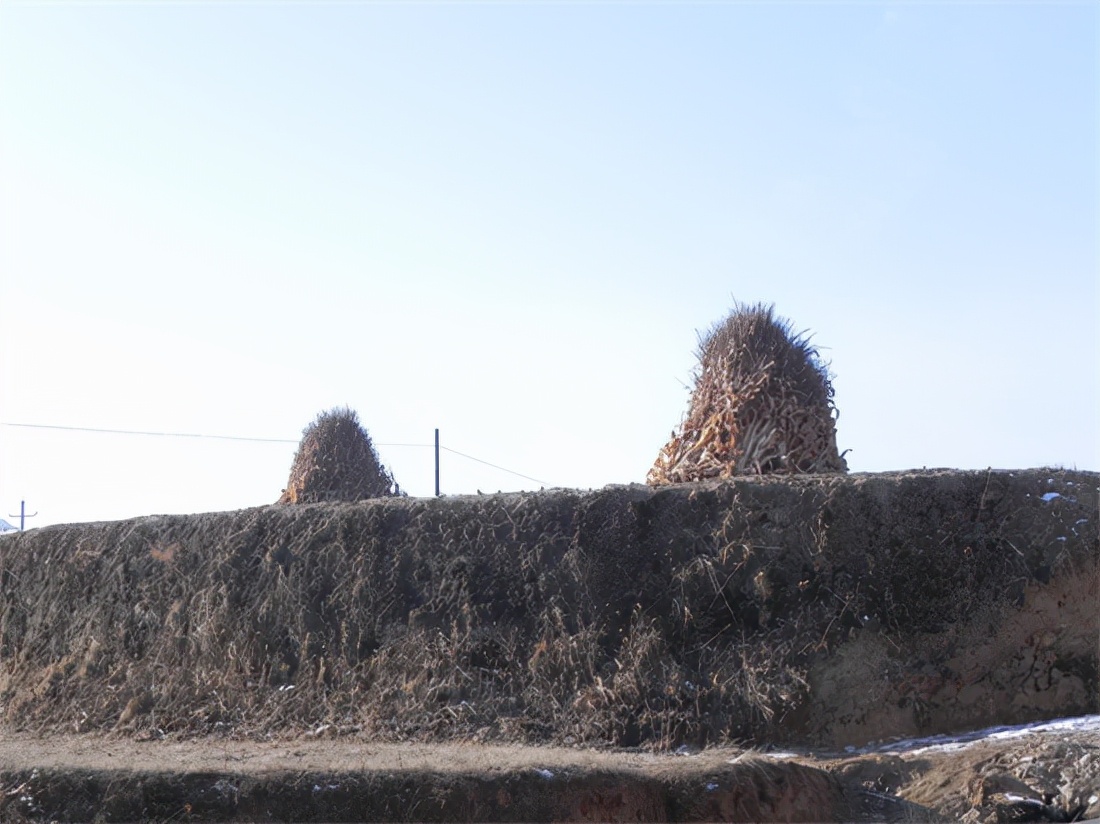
(336, 461)
(762, 403)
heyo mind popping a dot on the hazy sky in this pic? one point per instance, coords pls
(508, 221)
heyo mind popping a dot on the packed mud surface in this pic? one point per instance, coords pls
(1046, 772)
(811, 613)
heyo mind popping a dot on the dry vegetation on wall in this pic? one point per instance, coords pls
(627, 616)
(336, 461)
(762, 403)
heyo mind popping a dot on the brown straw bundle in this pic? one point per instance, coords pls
(762, 403)
(336, 461)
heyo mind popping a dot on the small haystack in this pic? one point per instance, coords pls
(762, 403)
(336, 461)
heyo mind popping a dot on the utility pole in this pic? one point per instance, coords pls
(23, 513)
(436, 463)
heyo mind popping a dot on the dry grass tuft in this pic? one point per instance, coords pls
(336, 461)
(762, 403)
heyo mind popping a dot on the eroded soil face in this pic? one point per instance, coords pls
(1028, 662)
(809, 613)
(815, 610)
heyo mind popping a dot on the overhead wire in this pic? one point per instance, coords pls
(150, 434)
(146, 433)
(494, 466)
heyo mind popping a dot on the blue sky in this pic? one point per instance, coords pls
(508, 221)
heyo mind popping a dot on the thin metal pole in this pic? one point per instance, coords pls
(437, 463)
(23, 515)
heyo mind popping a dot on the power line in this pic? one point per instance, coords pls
(494, 466)
(150, 434)
(174, 434)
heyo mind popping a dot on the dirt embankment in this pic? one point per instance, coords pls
(817, 611)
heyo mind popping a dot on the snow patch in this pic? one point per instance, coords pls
(947, 743)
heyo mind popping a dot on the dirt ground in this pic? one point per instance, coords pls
(1044, 775)
(1042, 772)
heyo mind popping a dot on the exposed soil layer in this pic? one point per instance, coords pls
(808, 612)
(817, 610)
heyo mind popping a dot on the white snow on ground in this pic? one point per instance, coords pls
(960, 741)
(944, 743)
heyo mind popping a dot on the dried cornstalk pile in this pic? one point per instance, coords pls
(336, 461)
(762, 403)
